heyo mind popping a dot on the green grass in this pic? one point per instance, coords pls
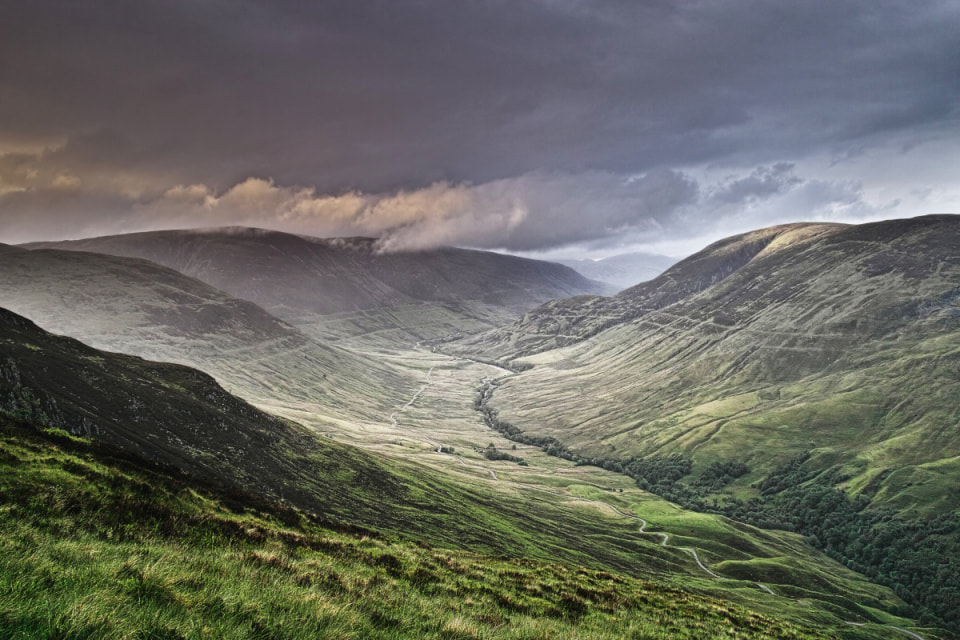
(93, 546)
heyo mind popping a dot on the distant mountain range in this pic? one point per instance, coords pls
(144, 309)
(344, 287)
(623, 270)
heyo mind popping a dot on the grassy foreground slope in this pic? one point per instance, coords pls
(98, 546)
(347, 287)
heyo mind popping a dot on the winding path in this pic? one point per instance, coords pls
(489, 386)
(417, 394)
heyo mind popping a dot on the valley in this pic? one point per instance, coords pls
(427, 320)
(582, 514)
(593, 441)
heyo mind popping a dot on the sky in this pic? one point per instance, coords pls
(563, 128)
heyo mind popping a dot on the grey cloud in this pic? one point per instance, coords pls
(61, 210)
(763, 182)
(17, 171)
(529, 212)
(380, 96)
(542, 211)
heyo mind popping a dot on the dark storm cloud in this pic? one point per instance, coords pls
(114, 103)
(379, 95)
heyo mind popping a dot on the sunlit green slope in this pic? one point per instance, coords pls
(840, 340)
(835, 346)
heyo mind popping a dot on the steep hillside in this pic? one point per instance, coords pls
(141, 308)
(179, 418)
(623, 270)
(567, 321)
(821, 357)
(837, 337)
(345, 287)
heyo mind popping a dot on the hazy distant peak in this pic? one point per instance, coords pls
(622, 270)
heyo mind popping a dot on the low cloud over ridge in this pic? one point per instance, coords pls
(534, 212)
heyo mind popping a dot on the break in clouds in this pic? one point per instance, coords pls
(526, 126)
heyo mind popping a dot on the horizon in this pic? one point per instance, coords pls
(557, 255)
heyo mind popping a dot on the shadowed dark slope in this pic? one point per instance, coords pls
(176, 416)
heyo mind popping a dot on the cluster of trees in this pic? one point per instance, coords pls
(492, 453)
(918, 558)
(551, 446)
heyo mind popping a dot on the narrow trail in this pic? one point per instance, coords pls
(437, 446)
(909, 633)
(417, 394)
(889, 626)
(489, 386)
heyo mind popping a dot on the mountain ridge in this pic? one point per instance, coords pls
(344, 287)
(135, 306)
(563, 322)
(827, 325)
(813, 388)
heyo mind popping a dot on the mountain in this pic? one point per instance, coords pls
(567, 321)
(138, 307)
(844, 331)
(623, 270)
(803, 377)
(345, 287)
